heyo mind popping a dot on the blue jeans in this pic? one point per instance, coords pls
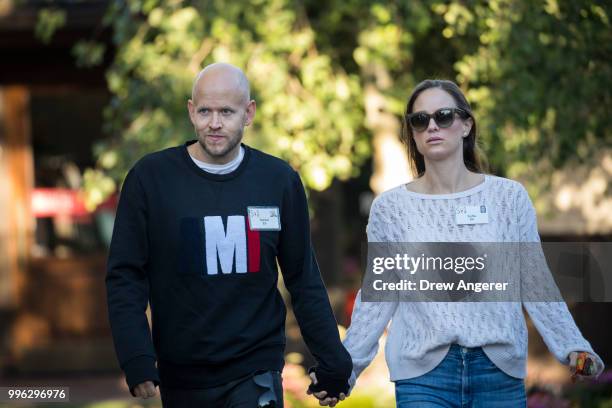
(466, 378)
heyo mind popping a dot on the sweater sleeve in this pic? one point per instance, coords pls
(369, 319)
(308, 293)
(127, 286)
(552, 318)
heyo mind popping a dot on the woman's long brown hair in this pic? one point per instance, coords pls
(473, 157)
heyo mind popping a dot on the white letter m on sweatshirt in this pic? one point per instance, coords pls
(225, 244)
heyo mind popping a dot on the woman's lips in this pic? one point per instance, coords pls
(434, 139)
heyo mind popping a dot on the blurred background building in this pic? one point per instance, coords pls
(52, 250)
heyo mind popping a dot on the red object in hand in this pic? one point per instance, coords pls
(584, 365)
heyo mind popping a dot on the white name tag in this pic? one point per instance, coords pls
(264, 218)
(472, 214)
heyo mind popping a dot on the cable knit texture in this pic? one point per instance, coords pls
(420, 333)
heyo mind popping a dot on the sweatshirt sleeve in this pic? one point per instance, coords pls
(369, 319)
(127, 286)
(552, 319)
(308, 294)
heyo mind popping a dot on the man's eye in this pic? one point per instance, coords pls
(203, 111)
(226, 112)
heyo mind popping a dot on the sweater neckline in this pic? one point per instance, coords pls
(458, 194)
(212, 176)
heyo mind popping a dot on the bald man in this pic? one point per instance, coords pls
(199, 232)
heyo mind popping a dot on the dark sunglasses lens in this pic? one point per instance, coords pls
(444, 117)
(419, 122)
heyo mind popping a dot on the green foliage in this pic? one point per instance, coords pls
(49, 20)
(88, 53)
(538, 80)
(379, 42)
(536, 73)
(309, 109)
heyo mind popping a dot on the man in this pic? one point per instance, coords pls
(199, 230)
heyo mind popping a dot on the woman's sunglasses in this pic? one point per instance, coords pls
(444, 118)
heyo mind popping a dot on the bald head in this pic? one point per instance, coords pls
(221, 77)
(219, 109)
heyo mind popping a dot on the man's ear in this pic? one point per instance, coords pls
(191, 110)
(250, 112)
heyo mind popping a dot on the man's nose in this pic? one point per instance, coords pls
(215, 122)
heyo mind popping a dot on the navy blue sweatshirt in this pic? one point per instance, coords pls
(202, 250)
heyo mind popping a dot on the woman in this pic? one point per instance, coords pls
(455, 354)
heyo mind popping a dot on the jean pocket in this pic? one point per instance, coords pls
(268, 382)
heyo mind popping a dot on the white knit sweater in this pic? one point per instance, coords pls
(421, 333)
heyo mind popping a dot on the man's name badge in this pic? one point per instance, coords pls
(471, 214)
(264, 218)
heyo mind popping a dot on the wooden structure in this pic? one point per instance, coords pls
(52, 299)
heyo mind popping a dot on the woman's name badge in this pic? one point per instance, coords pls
(264, 218)
(471, 214)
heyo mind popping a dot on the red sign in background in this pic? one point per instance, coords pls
(50, 202)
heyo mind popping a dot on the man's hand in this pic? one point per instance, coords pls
(582, 365)
(321, 396)
(145, 390)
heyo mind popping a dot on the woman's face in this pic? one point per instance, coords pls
(436, 143)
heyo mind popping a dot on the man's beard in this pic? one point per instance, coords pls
(232, 143)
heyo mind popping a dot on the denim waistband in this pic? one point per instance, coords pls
(458, 350)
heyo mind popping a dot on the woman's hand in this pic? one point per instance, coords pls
(321, 396)
(582, 365)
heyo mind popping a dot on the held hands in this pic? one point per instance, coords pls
(582, 365)
(322, 395)
(145, 390)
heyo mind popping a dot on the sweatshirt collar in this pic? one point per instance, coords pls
(210, 176)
